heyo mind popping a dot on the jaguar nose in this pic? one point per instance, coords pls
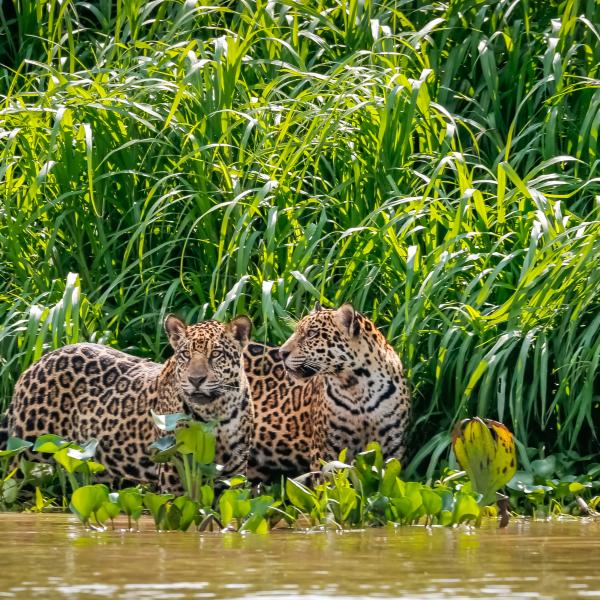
(283, 354)
(197, 381)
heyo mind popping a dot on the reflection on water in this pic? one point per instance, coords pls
(43, 555)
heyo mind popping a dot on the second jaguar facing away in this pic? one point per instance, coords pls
(336, 383)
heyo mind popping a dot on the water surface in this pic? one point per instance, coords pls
(53, 556)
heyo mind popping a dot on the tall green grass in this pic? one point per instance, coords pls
(437, 165)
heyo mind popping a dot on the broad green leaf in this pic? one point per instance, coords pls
(466, 508)
(49, 443)
(188, 511)
(544, 468)
(300, 495)
(87, 451)
(130, 501)
(69, 463)
(207, 495)
(15, 446)
(198, 441)
(388, 482)
(8, 491)
(108, 511)
(432, 502)
(88, 499)
(237, 481)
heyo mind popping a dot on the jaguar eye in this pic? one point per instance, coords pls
(311, 333)
(216, 354)
(185, 355)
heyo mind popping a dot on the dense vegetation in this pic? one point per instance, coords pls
(435, 164)
(368, 491)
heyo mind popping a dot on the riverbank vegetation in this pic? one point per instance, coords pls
(435, 164)
(365, 492)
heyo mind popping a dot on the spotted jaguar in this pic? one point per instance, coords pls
(87, 391)
(335, 383)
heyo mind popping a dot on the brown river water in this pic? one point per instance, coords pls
(52, 556)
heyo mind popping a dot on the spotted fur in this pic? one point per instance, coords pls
(336, 383)
(87, 391)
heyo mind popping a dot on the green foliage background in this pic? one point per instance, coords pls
(435, 164)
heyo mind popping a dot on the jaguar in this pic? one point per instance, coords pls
(85, 390)
(335, 383)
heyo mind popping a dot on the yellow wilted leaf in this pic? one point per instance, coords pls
(486, 451)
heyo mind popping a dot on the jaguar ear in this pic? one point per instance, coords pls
(176, 330)
(346, 319)
(241, 328)
(317, 307)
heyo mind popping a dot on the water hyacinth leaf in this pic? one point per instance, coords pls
(93, 467)
(87, 451)
(545, 467)
(226, 509)
(413, 493)
(87, 500)
(241, 507)
(170, 517)
(447, 499)
(108, 511)
(188, 510)
(374, 455)
(234, 504)
(403, 506)
(519, 479)
(364, 472)
(15, 446)
(389, 485)
(237, 481)
(170, 421)
(261, 505)
(9, 489)
(564, 488)
(153, 502)
(255, 524)
(466, 508)
(130, 501)
(523, 481)
(163, 449)
(39, 499)
(342, 501)
(432, 501)
(211, 471)
(445, 518)
(35, 470)
(299, 495)
(486, 451)
(207, 495)
(197, 440)
(49, 443)
(66, 461)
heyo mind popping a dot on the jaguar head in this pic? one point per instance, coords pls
(208, 357)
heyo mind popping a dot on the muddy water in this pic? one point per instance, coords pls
(52, 556)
